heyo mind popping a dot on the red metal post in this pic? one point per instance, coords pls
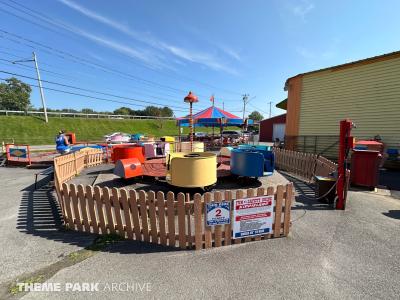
(8, 151)
(28, 150)
(191, 126)
(191, 98)
(345, 145)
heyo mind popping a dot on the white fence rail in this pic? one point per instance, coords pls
(79, 115)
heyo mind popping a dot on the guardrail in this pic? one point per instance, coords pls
(80, 115)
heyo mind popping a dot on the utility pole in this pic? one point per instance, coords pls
(245, 101)
(34, 59)
(270, 104)
(40, 88)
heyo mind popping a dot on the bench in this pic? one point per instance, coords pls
(46, 172)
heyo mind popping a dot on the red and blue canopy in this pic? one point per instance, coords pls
(212, 116)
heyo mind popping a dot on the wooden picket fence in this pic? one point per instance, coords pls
(70, 165)
(169, 220)
(303, 165)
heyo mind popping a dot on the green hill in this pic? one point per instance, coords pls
(34, 131)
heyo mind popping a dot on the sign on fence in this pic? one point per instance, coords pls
(218, 213)
(252, 216)
(18, 152)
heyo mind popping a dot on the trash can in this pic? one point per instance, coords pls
(323, 185)
(369, 145)
(365, 168)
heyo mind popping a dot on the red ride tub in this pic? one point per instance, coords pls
(129, 151)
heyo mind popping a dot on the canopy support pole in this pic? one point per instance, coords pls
(179, 133)
(191, 126)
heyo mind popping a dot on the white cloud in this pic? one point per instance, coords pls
(145, 56)
(199, 57)
(301, 8)
(231, 52)
(109, 22)
(94, 15)
(202, 58)
(224, 48)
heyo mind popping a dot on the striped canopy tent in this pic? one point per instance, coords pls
(212, 117)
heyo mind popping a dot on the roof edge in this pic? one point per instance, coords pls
(274, 117)
(390, 55)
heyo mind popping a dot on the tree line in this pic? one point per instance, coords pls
(15, 95)
(148, 111)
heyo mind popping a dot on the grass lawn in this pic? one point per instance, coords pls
(34, 131)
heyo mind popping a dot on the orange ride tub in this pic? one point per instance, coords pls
(129, 151)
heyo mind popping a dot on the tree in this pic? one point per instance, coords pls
(15, 95)
(151, 111)
(69, 110)
(87, 111)
(122, 111)
(256, 116)
(166, 112)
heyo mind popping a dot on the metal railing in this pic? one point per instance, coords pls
(79, 115)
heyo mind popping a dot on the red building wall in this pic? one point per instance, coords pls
(267, 125)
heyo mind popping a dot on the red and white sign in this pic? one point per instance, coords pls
(253, 216)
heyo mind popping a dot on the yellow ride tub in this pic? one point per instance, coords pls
(185, 147)
(171, 141)
(192, 170)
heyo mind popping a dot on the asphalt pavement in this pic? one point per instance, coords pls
(30, 235)
(352, 254)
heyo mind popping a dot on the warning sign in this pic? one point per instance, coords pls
(218, 213)
(252, 216)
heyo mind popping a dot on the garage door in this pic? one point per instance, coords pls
(278, 131)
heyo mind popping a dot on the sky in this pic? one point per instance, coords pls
(139, 53)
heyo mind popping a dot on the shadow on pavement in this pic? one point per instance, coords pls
(305, 194)
(394, 214)
(40, 215)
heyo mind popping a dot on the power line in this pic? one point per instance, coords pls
(258, 108)
(12, 49)
(80, 60)
(57, 54)
(89, 90)
(78, 79)
(46, 19)
(79, 88)
(31, 22)
(63, 26)
(87, 96)
(43, 70)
